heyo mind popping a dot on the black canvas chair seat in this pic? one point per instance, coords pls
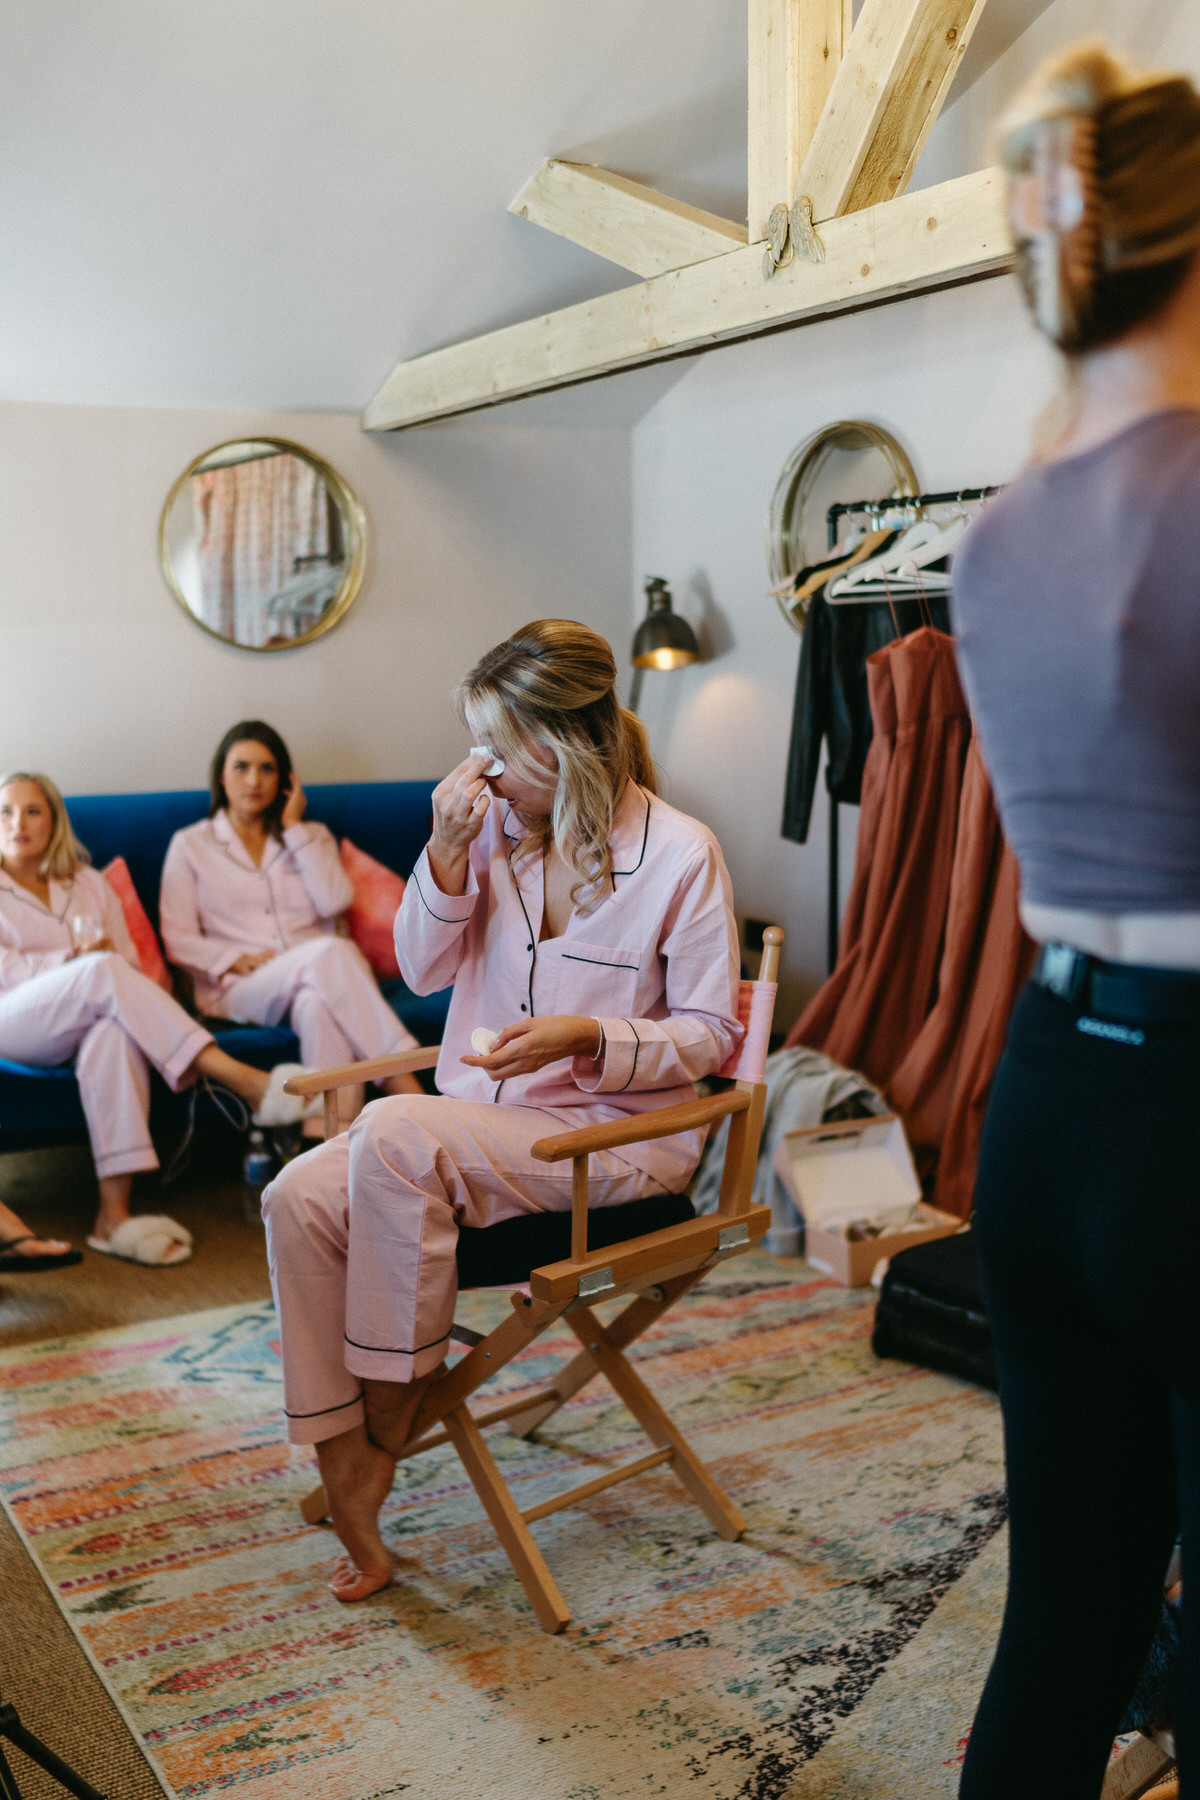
(507, 1253)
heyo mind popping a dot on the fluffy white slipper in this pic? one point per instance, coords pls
(279, 1108)
(149, 1238)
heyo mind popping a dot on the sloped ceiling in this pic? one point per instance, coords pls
(267, 203)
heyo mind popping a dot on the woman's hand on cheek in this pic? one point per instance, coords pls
(294, 805)
(524, 1048)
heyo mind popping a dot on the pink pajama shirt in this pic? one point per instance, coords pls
(99, 1009)
(216, 905)
(362, 1232)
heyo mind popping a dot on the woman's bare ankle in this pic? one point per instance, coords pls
(357, 1476)
(392, 1407)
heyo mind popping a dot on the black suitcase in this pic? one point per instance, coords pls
(930, 1310)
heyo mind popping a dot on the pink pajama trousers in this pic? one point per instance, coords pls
(325, 987)
(116, 1023)
(362, 1231)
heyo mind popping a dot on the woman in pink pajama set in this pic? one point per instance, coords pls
(71, 986)
(249, 907)
(591, 926)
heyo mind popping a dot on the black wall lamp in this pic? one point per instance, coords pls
(662, 641)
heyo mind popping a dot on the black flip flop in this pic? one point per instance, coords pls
(28, 1265)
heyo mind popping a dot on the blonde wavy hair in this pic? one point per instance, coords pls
(553, 683)
(1127, 147)
(65, 855)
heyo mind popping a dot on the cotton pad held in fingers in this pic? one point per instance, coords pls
(495, 766)
(483, 1041)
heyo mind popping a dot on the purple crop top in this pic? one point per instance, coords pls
(1077, 609)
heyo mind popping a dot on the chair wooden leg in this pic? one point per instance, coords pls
(628, 1325)
(659, 1428)
(505, 1515)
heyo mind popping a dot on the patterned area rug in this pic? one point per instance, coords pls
(146, 1471)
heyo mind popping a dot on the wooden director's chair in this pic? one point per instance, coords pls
(653, 1250)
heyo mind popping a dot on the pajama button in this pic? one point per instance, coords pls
(524, 1008)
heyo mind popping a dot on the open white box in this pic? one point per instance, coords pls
(856, 1169)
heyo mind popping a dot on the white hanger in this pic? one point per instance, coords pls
(901, 566)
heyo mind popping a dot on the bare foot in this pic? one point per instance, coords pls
(349, 1582)
(357, 1476)
(392, 1407)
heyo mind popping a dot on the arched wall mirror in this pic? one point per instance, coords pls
(262, 543)
(843, 461)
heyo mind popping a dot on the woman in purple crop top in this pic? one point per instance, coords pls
(1078, 611)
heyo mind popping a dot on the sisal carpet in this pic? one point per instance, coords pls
(828, 1656)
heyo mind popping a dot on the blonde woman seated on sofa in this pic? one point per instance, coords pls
(249, 908)
(70, 986)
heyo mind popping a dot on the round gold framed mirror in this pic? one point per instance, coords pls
(262, 543)
(839, 462)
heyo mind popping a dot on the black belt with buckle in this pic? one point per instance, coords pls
(1124, 991)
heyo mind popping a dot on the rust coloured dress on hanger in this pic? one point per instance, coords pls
(932, 954)
(941, 1087)
(873, 1006)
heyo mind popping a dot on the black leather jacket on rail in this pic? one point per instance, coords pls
(831, 705)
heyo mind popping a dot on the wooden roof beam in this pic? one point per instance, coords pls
(900, 61)
(796, 49)
(620, 219)
(930, 239)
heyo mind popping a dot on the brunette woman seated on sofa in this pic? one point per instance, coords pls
(249, 908)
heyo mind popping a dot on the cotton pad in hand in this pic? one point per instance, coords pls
(495, 766)
(483, 1041)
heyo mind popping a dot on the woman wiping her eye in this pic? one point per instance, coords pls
(591, 928)
(249, 908)
(70, 986)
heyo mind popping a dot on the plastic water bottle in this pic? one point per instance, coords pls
(258, 1164)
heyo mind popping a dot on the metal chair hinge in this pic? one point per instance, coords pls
(596, 1281)
(732, 1236)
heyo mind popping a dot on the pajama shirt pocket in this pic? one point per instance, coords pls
(596, 979)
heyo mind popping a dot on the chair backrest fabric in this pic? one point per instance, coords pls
(390, 820)
(756, 1009)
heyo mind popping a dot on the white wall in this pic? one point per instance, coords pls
(958, 377)
(473, 529)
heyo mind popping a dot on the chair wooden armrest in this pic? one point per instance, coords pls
(326, 1082)
(664, 1121)
(376, 1068)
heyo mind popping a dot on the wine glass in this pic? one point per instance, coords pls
(86, 930)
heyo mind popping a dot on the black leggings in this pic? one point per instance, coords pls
(1088, 1224)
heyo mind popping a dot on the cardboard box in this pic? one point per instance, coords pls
(842, 1176)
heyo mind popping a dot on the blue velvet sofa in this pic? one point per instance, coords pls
(388, 819)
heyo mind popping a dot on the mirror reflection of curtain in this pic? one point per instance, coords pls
(259, 526)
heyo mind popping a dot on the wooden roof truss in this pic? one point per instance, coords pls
(838, 117)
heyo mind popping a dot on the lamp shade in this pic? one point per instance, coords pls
(663, 640)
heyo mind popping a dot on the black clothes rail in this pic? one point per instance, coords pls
(871, 509)
(842, 509)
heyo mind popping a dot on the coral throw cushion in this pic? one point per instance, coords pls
(378, 892)
(145, 938)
